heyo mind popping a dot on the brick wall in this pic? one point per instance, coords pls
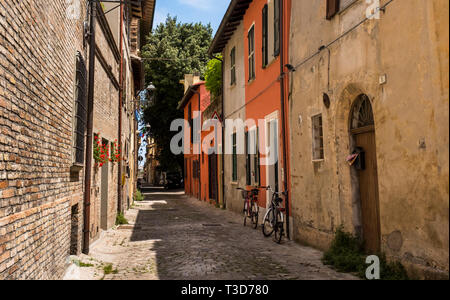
(38, 44)
(41, 200)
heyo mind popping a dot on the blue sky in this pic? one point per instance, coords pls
(192, 11)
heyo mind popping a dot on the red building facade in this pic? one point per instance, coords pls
(199, 182)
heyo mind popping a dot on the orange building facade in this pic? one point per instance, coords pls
(265, 89)
(265, 36)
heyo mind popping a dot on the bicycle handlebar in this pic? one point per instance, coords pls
(268, 188)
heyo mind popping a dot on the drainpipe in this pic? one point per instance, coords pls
(90, 125)
(119, 181)
(283, 110)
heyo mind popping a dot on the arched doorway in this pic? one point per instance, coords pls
(362, 129)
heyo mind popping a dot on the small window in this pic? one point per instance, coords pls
(277, 27)
(318, 149)
(235, 175)
(265, 36)
(335, 6)
(251, 54)
(233, 65)
(80, 114)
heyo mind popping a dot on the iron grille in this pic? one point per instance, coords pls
(80, 109)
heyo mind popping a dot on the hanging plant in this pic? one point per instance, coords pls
(101, 151)
(115, 152)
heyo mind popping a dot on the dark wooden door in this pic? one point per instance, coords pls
(213, 182)
(368, 182)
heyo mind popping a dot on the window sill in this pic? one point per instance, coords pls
(76, 167)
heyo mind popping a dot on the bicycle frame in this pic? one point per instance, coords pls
(273, 208)
(250, 201)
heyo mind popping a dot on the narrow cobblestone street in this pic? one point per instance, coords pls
(172, 237)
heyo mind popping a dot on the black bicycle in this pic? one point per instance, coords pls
(251, 208)
(274, 218)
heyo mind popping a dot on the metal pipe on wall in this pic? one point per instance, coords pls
(119, 176)
(90, 125)
(283, 114)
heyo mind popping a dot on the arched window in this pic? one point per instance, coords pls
(362, 113)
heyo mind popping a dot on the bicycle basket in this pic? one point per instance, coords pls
(244, 194)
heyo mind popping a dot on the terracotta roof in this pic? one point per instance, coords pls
(144, 10)
(192, 90)
(233, 17)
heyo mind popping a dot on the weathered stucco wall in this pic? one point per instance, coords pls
(234, 96)
(408, 44)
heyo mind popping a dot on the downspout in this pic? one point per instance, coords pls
(283, 112)
(90, 125)
(119, 179)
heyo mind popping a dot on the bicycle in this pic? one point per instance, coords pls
(251, 208)
(274, 218)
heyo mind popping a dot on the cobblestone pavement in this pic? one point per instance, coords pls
(175, 238)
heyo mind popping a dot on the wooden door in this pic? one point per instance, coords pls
(368, 184)
(104, 194)
(213, 183)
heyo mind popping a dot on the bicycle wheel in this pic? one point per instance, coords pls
(268, 225)
(255, 215)
(279, 228)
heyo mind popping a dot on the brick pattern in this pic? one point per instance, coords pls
(37, 62)
(38, 192)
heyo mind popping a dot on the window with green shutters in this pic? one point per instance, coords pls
(251, 54)
(235, 174)
(265, 36)
(248, 164)
(233, 66)
(277, 27)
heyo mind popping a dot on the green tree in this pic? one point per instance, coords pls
(172, 50)
(213, 76)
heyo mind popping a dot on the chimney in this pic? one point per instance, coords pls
(189, 79)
